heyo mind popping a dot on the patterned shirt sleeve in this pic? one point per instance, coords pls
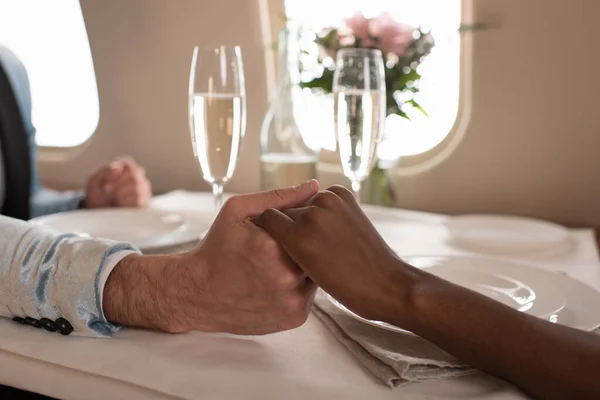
(45, 276)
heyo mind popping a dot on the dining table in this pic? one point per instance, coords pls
(303, 363)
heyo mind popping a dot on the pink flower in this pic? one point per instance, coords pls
(347, 41)
(392, 36)
(357, 26)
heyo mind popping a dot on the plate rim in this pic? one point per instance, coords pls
(186, 215)
(456, 219)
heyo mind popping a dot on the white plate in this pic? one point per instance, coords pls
(543, 294)
(147, 228)
(506, 232)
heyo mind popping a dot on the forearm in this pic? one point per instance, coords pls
(140, 292)
(545, 359)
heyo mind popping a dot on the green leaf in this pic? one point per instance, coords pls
(377, 188)
(397, 111)
(328, 40)
(404, 115)
(386, 197)
(317, 84)
(404, 78)
(323, 83)
(416, 105)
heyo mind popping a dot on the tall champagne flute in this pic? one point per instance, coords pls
(217, 113)
(360, 106)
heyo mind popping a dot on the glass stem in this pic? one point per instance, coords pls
(356, 186)
(217, 189)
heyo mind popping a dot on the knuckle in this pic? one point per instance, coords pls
(287, 281)
(326, 199)
(232, 205)
(342, 192)
(267, 247)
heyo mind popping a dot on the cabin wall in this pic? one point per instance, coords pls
(142, 54)
(531, 136)
(532, 139)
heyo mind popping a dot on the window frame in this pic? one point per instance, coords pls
(89, 125)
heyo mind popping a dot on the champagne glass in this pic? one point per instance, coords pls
(360, 106)
(217, 113)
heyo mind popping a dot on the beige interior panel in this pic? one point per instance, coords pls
(530, 145)
(142, 52)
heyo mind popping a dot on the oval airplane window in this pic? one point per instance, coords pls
(439, 84)
(50, 38)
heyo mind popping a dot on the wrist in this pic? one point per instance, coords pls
(407, 286)
(428, 294)
(136, 292)
(190, 301)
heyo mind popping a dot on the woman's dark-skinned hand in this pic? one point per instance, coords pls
(336, 244)
(333, 241)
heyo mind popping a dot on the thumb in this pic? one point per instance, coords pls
(254, 204)
(116, 168)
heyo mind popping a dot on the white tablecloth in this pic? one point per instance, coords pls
(306, 363)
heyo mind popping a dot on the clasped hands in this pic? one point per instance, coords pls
(257, 269)
(122, 183)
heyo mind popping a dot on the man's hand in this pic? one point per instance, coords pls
(335, 243)
(122, 183)
(238, 280)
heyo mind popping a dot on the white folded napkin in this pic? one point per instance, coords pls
(394, 358)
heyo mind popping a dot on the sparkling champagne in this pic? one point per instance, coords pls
(359, 121)
(216, 126)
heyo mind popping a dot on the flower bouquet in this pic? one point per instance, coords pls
(404, 48)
